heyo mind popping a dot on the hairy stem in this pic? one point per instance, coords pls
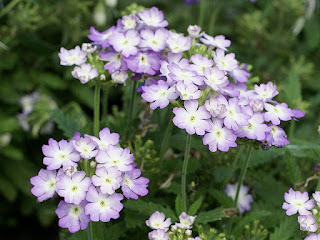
(96, 111)
(184, 173)
(167, 134)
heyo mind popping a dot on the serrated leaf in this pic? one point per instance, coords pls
(210, 216)
(179, 205)
(286, 230)
(149, 207)
(222, 198)
(195, 207)
(293, 169)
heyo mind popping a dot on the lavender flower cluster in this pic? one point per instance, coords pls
(88, 197)
(309, 215)
(161, 226)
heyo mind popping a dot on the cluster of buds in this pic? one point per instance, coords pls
(92, 175)
(164, 229)
(309, 215)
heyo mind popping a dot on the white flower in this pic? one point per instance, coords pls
(157, 221)
(186, 221)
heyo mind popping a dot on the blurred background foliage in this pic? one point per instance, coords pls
(279, 38)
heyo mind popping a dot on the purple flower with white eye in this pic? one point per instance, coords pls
(86, 147)
(129, 22)
(192, 118)
(178, 42)
(233, 117)
(109, 180)
(313, 236)
(119, 77)
(295, 201)
(115, 61)
(219, 137)
(214, 107)
(276, 113)
(44, 184)
(219, 41)
(172, 58)
(194, 31)
(239, 75)
(256, 128)
(85, 73)
(125, 43)
(106, 138)
(72, 57)
(158, 234)
(60, 154)
(225, 62)
(73, 188)
(144, 62)
(72, 216)
(133, 185)
(101, 206)
(159, 95)
(115, 156)
(256, 105)
(158, 221)
(188, 92)
(101, 37)
(215, 78)
(200, 63)
(244, 199)
(308, 223)
(153, 17)
(186, 221)
(154, 40)
(184, 75)
(276, 137)
(266, 91)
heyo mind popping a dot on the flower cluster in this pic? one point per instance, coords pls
(88, 172)
(308, 209)
(161, 226)
(244, 199)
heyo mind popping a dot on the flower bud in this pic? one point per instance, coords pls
(188, 232)
(194, 30)
(102, 77)
(256, 104)
(88, 47)
(93, 164)
(70, 171)
(119, 77)
(111, 3)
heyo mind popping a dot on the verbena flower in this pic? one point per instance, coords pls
(194, 31)
(115, 60)
(186, 221)
(108, 180)
(85, 73)
(72, 57)
(313, 236)
(101, 38)
(133, 185)
(154, 40)
(119, 77)
(157, 221)
(106, 138)
(144, 62)
(308, 223)
(218, 41)
(266, 91)
(158, 234)
(153, 17)
(225, 62)
(276, 137)
(188, 92)
(86, 147)
(125, 43)
(178, 43)
(244, 199)
(295, 201)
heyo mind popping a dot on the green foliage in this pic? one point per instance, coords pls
(179, 205)
(210, 216)
(287, 229)
(195, 207)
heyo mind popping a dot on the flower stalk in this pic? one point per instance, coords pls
(96, 111)
(184, 173)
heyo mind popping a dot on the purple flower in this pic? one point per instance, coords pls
(129, 22)
(192, 118)
(179, 43)
(106, 138)
(153, 17)
(214, 107)
(86, 147)
(155, 41)
(45, 184)
(191, 1)
(194, 31)
(219, 41)
(103, 207)
(225, 62)
(186, 76)
(72, 216)
(188, 92)
(266, 91)
(115, 61)
(256, 105)
(108, 180)
(297, 113)
(125, 43)
(219, 137)
(101, 38)
(186, 221)
(120, 77)
(159, 95)
(295, 201)
(85, 73)
(73, 188)
(158, 234)
(200, 63)
(158, 221)
(115, 156)
(59, 154)
(144, 62)
(133, 185)
(276, 113)
(72, 57)
(239, 75)
(244, 199)
(276, 137)
(308, 223)
(215, 78)
(313, 236)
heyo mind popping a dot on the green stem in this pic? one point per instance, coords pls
(96, 111)
(167, 134)
(131, 107)
(202, 12)
(242, 175)
(184, 173)
(105, 104)
(9, 7)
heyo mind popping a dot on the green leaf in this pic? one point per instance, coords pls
(259, 157)
(293, 169)
(149, 207)
(293, 88)
(8, 190)
(303, 149)
(287, 229)
(195, 207)
(222, 198)
(210, 216)
(179, 205)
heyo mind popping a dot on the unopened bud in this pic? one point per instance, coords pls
(314, 211)
(194, 30)
(70, 171)
(188, 232)
(173, 228)
(129, 22)
(99, 14)
(256, 104)
(88, 47)
(93, 164)
(111, 3)
(120, 77)
(102, 77)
